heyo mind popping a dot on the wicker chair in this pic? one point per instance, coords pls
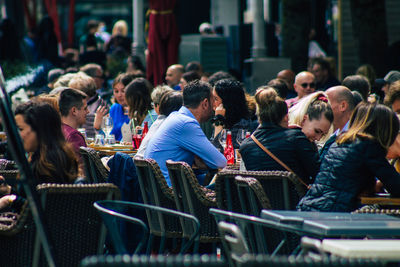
(158, 260)
(74, 226)
(155, 191)
(282, 188)
(192, 198)
(251, 196)
(94, 169)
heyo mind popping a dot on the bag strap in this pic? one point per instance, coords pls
(266, 150)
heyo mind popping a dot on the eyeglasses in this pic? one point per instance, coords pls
(304, 85)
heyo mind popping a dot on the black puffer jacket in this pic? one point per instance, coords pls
(346, 171)
(291, 146)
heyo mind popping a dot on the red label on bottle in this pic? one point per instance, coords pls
(229, 152)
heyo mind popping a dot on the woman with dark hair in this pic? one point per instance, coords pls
(138, 100)
(231, 110)
(51, 158)
(117, 110)
(290, 146)
(350, 166)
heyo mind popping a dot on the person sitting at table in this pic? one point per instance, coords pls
(180, 137)
(73, 109)
(137, 97)
(231, 111)
(51, 158)
(291, 146)
(170, 101)
(354, 160)
(118, 110)
(313, 114)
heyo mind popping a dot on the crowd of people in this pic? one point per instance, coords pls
(335, 136)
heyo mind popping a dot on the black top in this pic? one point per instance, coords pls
(291, 146)
(346, 171)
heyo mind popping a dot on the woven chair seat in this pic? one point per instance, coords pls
(282, 188)
(73, 225)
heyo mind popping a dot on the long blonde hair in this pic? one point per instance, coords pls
(374, 122)
(317, 101)
(120, 28)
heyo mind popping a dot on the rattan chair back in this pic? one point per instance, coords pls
(192, 198)
(95, 171)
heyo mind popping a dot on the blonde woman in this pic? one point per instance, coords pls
(119, 38)
(313, 114)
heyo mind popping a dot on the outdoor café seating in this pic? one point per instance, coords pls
(155, 191)
(74, 226)
(95, 171)
(282, 189)
(113, 212)
(192, 198)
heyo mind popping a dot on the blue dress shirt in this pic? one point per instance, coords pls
(180, 138)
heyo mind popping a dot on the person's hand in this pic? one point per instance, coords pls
(6, 201)
(220, 110)
(5, 189)
(98, 118)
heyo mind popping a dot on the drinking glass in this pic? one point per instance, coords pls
(240, 136)
(222, 138)
(107, 125)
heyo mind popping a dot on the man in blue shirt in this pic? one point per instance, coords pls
(180, 137)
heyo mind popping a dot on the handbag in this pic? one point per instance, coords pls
(266, 150)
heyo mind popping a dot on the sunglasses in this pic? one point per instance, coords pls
(304, 85)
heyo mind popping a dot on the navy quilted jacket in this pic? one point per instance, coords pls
(291, 146)
(346, 171)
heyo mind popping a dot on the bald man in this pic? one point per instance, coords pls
(174, 75)
(304, 84)
(342, 103)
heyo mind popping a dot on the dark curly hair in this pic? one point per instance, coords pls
(234, 101)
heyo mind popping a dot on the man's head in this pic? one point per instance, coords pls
(321, 69)
(96, 72)
(391, 77)
(157, 94)
(342, 104)
(73, 106)
(288, 76)
(304, 84)
(358, 83)
(53, 76)
(197, 97)
(174, 74)
(392, 98)
(84, 83)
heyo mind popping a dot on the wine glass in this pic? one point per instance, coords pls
(240, 136)
(107, 125)
(222, 138)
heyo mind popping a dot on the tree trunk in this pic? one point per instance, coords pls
(370, 33)
(296, 18)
